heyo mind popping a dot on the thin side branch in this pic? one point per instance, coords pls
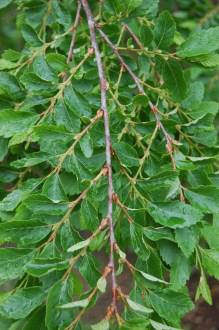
(103, 89)
(168, 138)
(74, 32)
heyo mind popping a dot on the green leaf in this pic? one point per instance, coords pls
(30, 36)
(21, 303)
(206, 107)
(75, 102)
(12, 122)
(24, 233)
(180, 272)
(173, 77)
(88, 269)
(164, 30)
(204, 290)
(195, 96)
(148, 8)
(102, 325)
(40, 266)
(9, 86)
(3, 149)
(160, 187)
(101, 284)
(60, 293)
(174, 214)
(79, 245)
(209, 60)
(36, 317)
(13, 199)
(126, 154)
(123, 8)
(86, 145)
(57, 62)
(200, 43)
(138, 308)
(63, 16)
(35, 84)
(205, 198)
(157, 234)
(53, 189)
(79, 303)
(210, 259)
(138, 241)
(151, 278)
(186, 239)
(4, 3)
(65, 117)
(13, 262)
(170, 305)
(7, 65)
(88, 215)
(42, 69)
(210, 233)
(30, 160)
(159, 326)
(39, 204)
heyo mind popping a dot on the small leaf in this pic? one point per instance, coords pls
(42, 266)
(7, 65)
(204, 290)
(80, 303)
(59, 294)
(57, 62)
(101, 284)
(210, 259)
(13, 262)
(151, 277)
(88, 215)
(12, 122)
(164, 30)
(159, 326)
(102, 325)
(138, 308)
(24, 233)
(180, 272)
(86, 145)
(186, 239)
(30, 36)
(126, 154)
(10, 87)
(210, 233)
(42, 70)
(205, 198)
(80, 245)
(21, 303)
(75, 102)
(64, 117)
(209, 60)
(200, 43)
(173, 78)
(170, 305)
(53, 189)
(174, 214)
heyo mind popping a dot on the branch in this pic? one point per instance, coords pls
(74, 32)
(169, 141)
(103, 89)
(133, 35)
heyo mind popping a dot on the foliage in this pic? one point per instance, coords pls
(108, 146)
